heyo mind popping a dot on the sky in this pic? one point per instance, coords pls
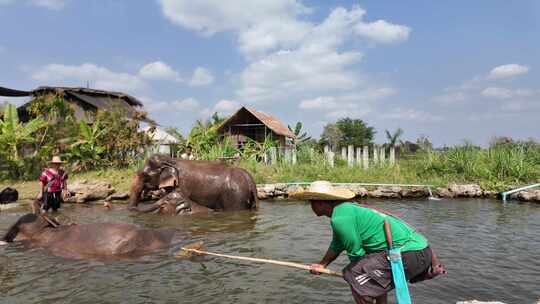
(450, 70)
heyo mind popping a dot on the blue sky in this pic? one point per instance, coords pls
(451, 70)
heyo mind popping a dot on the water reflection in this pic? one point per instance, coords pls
(490, 252)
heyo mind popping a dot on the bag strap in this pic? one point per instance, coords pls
(50, 183)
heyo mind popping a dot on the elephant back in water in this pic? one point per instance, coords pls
(215, 185)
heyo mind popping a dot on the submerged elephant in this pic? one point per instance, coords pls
(193, 186)
(99, 240)
(174, 203)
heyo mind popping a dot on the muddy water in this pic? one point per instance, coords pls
(491, 252)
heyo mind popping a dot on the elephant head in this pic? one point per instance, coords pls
(28, 226)
(160, 172)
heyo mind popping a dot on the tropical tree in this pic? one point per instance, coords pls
(331, 135)
(355, 132)
(301, 137)
(86, 152)
(14, 133)
(123, 141)
(203, 136)
(393, 138)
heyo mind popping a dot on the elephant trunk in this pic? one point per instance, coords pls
(136, 190)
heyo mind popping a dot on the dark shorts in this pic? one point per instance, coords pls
(372, 275)
(52, 200)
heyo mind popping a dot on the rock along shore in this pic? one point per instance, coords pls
(281, 191)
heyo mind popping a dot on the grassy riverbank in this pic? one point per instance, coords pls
(496, 169)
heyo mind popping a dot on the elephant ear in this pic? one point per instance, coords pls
(168, 178)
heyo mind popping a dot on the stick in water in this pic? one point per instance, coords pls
(257, 260)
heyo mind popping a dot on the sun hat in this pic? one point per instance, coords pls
(324, 191)
(56, 160)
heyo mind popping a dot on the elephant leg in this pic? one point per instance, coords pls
(137, 187)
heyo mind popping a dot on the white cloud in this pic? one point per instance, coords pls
(187, 104)
(508, 71)
(152, 105)
(78, 75)
(284, 73)
(503, 93)
(201, 77)
(354, 105)
(158, 70)
(412, 115)
(49, 4)
(498, 93)
(163, 107)
(212, 16)
(226, 106)
(289, 57)
(222, 107)
(383, 32)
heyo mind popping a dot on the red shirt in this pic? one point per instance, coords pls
(58, 182)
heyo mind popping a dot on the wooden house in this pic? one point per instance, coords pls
(84, 102)
(256, 125)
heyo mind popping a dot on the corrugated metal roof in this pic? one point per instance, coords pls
(161, 136)
(104, 102)
(13, 93)
(132, 101)
(271, 122)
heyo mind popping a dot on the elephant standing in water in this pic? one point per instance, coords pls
(99, 240)
(193, 186)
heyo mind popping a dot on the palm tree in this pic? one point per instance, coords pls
(393, 138)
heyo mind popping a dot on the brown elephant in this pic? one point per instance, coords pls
(101, 240)
(194, 185)
(174, 203)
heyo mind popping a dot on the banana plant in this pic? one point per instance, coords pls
(86, 152)
(13, 133)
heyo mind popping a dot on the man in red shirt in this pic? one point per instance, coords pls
(53, 185)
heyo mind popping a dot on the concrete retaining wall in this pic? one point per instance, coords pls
(280, 191)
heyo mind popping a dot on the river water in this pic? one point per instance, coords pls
(491, 252)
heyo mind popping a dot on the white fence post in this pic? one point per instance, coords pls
(294, 156)
(330, 157)
(359, 156)
(365, 157)
(392, 155)
(375, 155)
(343, 153)
(350, 156)
(273, 155)
(383, 155)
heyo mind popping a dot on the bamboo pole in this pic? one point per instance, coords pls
(268, 261)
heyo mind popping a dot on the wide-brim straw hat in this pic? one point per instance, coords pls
(56, 160)
(322, 191)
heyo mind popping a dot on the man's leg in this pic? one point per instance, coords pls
(358, 298)
(382, 299)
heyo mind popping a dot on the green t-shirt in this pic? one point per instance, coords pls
(360, 230)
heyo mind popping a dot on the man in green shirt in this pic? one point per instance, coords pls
(359, 231)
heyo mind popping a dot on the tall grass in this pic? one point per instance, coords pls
(494, 168)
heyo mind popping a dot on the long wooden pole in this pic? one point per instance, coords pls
(258, 260)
